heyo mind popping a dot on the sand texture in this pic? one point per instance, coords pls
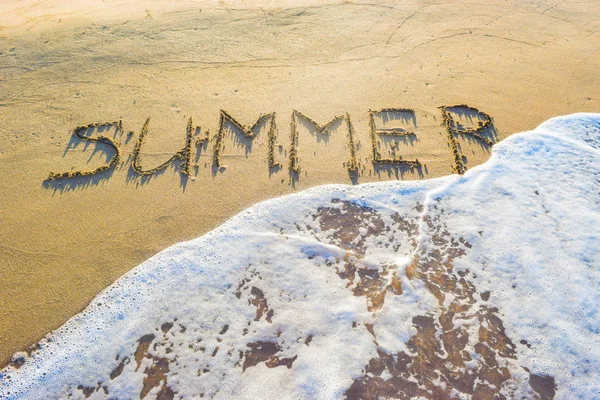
(204, 73)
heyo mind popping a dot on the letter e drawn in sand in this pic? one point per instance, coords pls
(392, 130)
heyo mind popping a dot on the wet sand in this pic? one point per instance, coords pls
(63, 241)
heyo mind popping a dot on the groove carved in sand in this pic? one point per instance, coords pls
(405, 115)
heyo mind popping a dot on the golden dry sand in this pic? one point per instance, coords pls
(62, 242)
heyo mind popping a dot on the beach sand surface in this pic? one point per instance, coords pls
(77, 63)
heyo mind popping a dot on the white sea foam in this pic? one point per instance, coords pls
(316, 294)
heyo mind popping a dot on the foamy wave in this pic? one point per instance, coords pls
(457, 287)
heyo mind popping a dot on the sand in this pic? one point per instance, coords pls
(62, 242)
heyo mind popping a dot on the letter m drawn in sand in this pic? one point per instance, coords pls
(248, 133)
(319, 129)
